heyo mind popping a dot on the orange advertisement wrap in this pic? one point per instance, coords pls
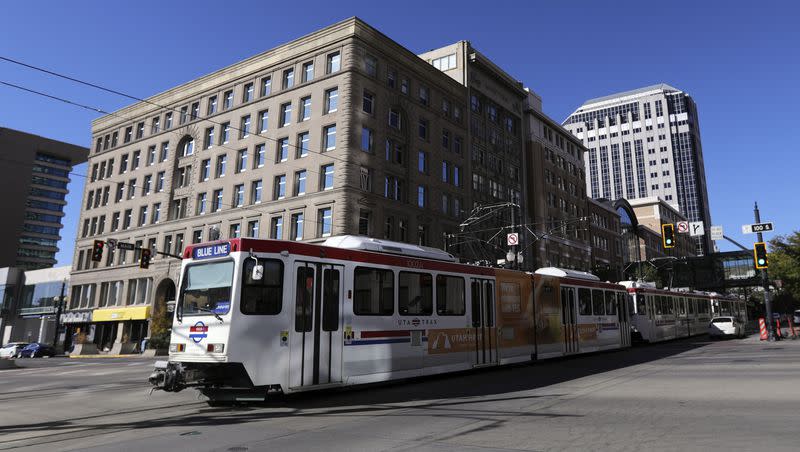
(452, 340)
(587, 332)
(548, 312)
(514, 309)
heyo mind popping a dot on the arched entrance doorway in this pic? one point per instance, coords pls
(161, 320)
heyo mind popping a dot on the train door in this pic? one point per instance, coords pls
(569, 320)
(316, 336)
(623, 317)
(483, 322)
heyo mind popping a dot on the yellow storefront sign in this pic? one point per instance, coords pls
(120, 314)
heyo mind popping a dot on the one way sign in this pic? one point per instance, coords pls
(696, 228)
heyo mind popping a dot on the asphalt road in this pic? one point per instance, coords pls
(682, 395)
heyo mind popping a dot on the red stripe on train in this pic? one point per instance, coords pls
(394, 333)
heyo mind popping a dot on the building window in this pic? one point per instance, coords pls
(238, 195)
(184, 114)
(209, 140)
(164, 152)
(422, 196)
(142, 215)
(327, 176)
(225, 136)
(305, 108)
(227, 100)
(423, 95)
(140, 130)
(135, 160)
(252, 228)
(308, 71)
(330, 137)
(366, 179)
(371, 65)
(303, 142)
(445, 63)
(422, 162)
(260, 155)
(297, 226)
(331, 100)
(125, 139)
(188, 148)
(212, 106)
(241, 160)
(155, 125)
(266, 86)
(364, 220)
(244, 128)
(300, 183)
(197, 236)
(195, 110)
(255, 192)
(368, 103)
(222, 161)
(423, 129)
(263, 120)
(160, 182)
(334, 63)
(394, 119)
(146, 185)
(283, 150)
(286, 114)
(276, 228)
(288, 78)
(201, 203)
(325, 221)
(367, 144)
(404, 85)
(247, 95)
(216, 200)
(235, 231)
(280, 187)
(445, 171)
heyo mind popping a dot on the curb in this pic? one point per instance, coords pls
(137, 355)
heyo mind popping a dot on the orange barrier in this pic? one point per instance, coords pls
(762, 327)
(778, 334)
(791, 328)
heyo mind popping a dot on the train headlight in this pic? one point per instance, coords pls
(215, 348)
(177, 348)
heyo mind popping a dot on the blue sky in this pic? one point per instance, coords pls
(739, 61)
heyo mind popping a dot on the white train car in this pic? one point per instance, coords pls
(660, 314)
(259, 315)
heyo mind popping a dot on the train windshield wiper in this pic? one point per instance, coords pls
(211, 311)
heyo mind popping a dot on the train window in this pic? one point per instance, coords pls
(585, 302)
(659, 304)
(564, 306)
(304, 301)
(476, 303)
(571, 305)
(330, 300)
(641, 306)
(611, 303)
(374, 292)
(450, 298)
(265, 296)
(598, 302)
(690, 301)
(682, 306)
(207, 288)
(488, 300)
(415, 295)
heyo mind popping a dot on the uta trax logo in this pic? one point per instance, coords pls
(198, 332)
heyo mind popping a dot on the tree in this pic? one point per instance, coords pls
(784, 265)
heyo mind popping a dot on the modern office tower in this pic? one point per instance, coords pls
(35, 173)
(644, 143)
(342, 131)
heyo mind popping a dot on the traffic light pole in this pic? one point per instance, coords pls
(765, 283)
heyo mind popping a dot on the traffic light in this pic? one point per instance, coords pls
(668, 235)
(760, 255)
(144, 262)
(97, 250)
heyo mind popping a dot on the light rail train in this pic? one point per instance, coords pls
(254, 316)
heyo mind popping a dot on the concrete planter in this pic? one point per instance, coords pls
(84, 349)
(152, 352)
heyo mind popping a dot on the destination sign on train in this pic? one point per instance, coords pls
(211, 251)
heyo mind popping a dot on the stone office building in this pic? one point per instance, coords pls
(342, 131)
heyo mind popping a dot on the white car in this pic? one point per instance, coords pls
(11, 350)
(796, 319)
(725, 326)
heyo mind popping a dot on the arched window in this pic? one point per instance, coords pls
(186, 146)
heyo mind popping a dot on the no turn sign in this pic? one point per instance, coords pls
(683, 227)
(512, 239)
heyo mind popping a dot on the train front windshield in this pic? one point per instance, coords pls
(207, 289)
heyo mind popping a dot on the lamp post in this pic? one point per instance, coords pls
(59, 304)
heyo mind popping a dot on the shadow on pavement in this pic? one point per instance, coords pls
(468, 395)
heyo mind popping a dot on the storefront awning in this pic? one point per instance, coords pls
(120, 314)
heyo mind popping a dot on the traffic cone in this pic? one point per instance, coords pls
(762, 327)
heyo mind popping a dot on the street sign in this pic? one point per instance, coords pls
(512, 239)
(757, 227)
(111, 244)
(696, 228)
(682, 226)
(126, 246)
(716, 233)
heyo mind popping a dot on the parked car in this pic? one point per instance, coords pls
(725, 326)
(796, 319)
(37, 350)
(12, 349)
